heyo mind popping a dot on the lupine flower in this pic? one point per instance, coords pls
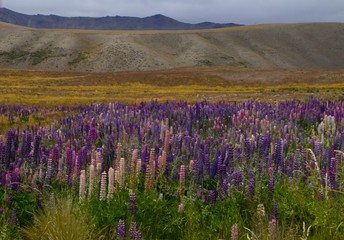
(271, 185)
(251, 185)
(132, 230)
(182, 180)
(103, 187)
(82, 186)
(235, 232)
(332, 173)
(261, 211)
(133, 168)
(111, 183)
(274, 212)
(91, 181)
(13, 218)
(181, 208)
(121, 230)
(273, 229)
(212, 196)
(132, 202)
(237, 178)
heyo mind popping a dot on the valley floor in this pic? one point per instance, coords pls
(192, 84)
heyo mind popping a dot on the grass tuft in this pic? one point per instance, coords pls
(59, 220)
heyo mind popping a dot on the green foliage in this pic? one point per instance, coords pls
(13, 55)
(40, 56)
(82, 56)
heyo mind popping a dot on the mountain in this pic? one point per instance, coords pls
(156, 22)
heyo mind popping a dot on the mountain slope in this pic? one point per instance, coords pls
(289, 46)
(156, 22)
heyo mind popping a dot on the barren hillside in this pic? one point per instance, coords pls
(291, 46)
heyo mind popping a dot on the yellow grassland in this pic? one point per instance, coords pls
(190, 84)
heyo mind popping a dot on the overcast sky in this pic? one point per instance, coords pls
(193, 11)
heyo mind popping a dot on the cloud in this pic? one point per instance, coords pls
(244, 11)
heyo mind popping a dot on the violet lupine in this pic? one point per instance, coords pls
(332, 171)
(36, 148)
(182, 180)
(224, 188)
(121, 230)
(132, 203)
(15, 180)
(251, 188)
(13, 218)
(273, 229)
(271, 186)
(212, 196)
(274, 211)
(237, 178)
(132, 230)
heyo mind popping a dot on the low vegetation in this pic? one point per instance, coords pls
(194, 84)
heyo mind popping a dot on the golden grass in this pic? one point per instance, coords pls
(190, 84)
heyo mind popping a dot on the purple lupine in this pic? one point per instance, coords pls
(132, 200)
(134, 234)
(250, 187)
(9, 200)
(212, 196)
(36, 149)
(224, 188)
(332, 173)
(8, 151)
(121, 230)
(274, 211)
(137, 235)
(15, 180)
(278, 158)
(271, 185)
(237, 178)
(93, 134)
(132, 230)
(13, 218)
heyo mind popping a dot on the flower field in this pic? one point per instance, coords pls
(173, 170)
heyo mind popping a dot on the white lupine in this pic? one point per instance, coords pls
(111, 183)
(117, 177)
(91, 181)
(98, 158)
(102, 195)
(121, 172)
(49, 168)
(138, 167)
(82, 185)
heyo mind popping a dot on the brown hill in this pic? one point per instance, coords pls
(290, 46)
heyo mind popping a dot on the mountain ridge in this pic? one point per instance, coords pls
(154, 22)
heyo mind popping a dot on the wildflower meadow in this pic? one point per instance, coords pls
(173, 170)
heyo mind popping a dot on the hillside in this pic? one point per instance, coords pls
(290, 46)
(156, 22)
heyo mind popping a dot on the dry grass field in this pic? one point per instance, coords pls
(191, 84)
